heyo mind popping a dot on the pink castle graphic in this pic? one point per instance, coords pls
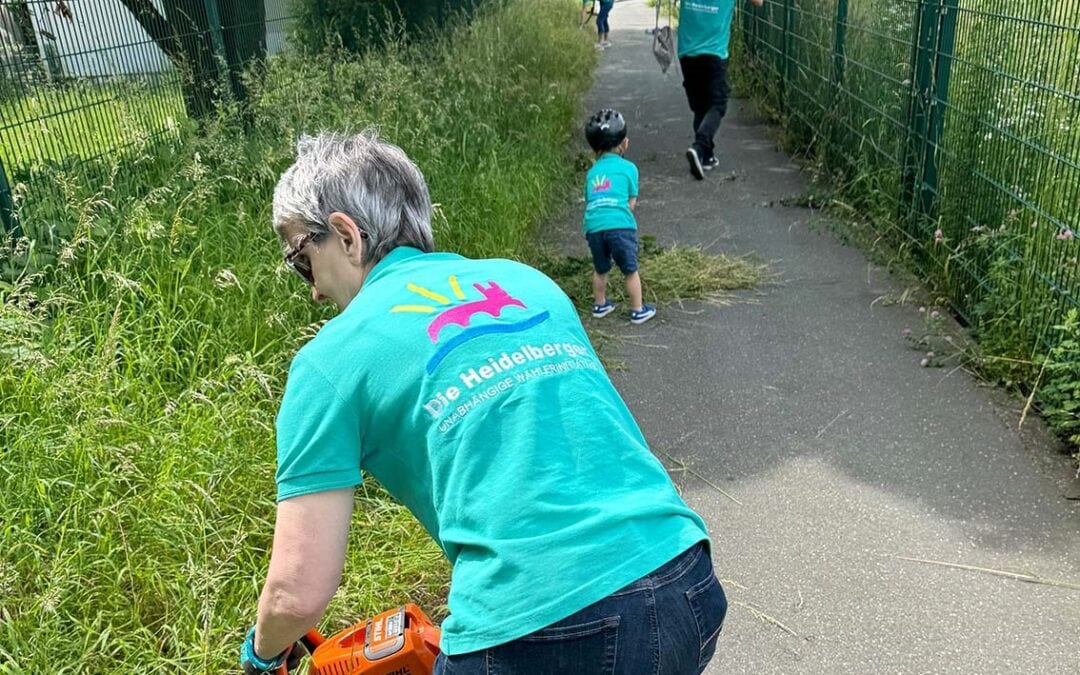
(495, 300)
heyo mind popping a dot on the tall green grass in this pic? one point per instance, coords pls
(55, 124)
(141, 368)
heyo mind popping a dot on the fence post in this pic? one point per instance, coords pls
(932, 58)
(922, 62)
(943, 58)
(217, 39)
(785, 55)
(8, 217)
(840, 43)
(837, 88)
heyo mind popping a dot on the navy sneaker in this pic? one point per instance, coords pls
(600, 311)
(710, 164)
(642, 315)
(694, 158)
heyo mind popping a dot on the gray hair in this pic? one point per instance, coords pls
(369, 180)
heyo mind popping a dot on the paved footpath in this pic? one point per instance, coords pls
(839, 455)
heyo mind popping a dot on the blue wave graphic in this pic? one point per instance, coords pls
(473, 333)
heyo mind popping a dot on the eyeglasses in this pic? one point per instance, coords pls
(299, 263)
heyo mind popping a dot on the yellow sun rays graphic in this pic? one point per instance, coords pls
(430, 295)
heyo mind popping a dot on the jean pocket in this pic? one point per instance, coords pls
(577, 648)
(709, 606)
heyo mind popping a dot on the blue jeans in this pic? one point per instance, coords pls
(665, 623)
(602, 26)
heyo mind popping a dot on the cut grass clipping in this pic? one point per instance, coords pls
(668, 275)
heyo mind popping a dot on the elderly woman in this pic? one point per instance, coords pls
(469, 389)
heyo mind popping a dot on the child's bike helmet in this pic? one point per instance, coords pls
(605, 130)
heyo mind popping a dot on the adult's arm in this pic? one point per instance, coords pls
(311, 533)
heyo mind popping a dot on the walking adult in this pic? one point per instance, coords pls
(704, 37)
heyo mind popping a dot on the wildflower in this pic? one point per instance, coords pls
(929, 355)
(938, 236)
(935, 314)
(906, 332)
(922, 310)
(924, 363)
(1066, 235)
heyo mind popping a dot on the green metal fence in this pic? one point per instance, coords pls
(953, 124)
(83, 80)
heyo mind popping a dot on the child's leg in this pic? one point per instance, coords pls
(601, 258)
(599, 288)
(633, 289)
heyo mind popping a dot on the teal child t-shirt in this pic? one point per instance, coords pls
(469, 390)
(705, 27)
(609, 185)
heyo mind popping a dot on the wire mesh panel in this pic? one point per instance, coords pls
(1009, 161)
(87, 83)
(953, 123)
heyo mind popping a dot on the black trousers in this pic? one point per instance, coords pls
(705, 79)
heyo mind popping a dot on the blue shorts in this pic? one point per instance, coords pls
(618, 244)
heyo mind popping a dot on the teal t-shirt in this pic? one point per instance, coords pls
(469, 389)
(610, 184)
(705, 27)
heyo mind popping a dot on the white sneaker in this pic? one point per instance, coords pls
(642, 315)
(695, 163)
(710, 164)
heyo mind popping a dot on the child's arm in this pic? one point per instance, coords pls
(633, 203)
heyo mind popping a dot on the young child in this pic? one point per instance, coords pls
(611, 190)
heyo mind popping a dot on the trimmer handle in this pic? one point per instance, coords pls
(311, 640)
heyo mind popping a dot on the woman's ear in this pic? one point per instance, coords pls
(348, 233)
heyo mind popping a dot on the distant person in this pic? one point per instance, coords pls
(704, 34)
(588, 7)
(611, 190)
(602, 27)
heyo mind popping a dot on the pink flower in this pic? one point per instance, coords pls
(934, 314)
(1066, 235)
(938, 236)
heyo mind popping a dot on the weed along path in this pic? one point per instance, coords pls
(869, 515)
